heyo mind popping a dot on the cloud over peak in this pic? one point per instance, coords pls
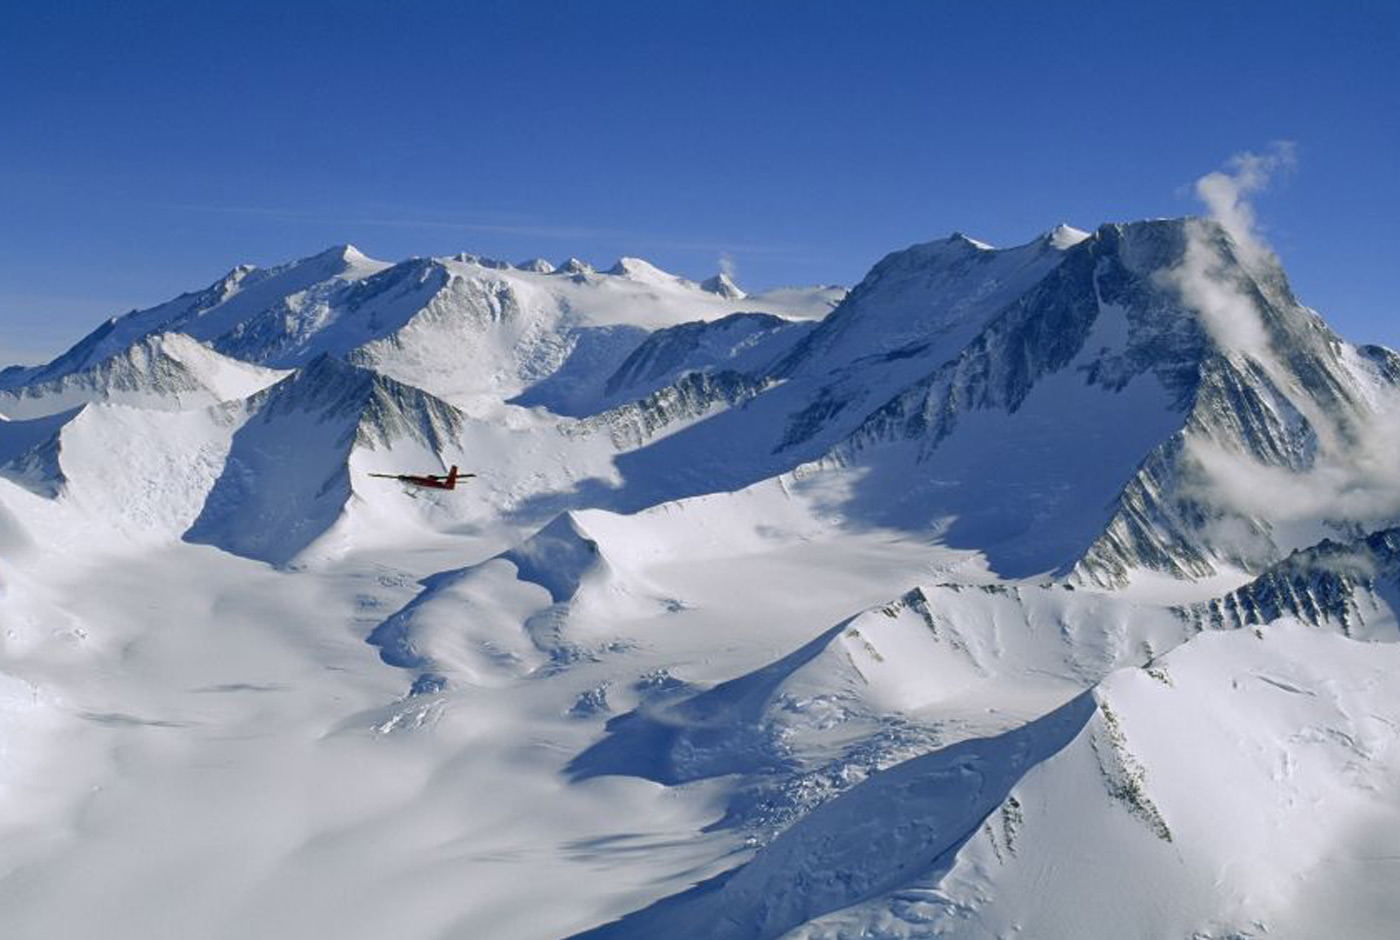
(1225, 193)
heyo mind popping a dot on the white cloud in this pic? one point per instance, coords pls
(1353, 477)
(1204, 279)
(1356, 484)
(1226, 194)
(727, 267)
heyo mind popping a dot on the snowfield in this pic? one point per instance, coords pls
(1009, 594)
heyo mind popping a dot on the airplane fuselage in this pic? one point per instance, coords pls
(428, 481)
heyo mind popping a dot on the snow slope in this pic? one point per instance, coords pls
(1245, 787)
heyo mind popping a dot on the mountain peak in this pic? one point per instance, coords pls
(724, 286)
(466, 257)
(333, 261)
(1063, 237)
(960, 238)
(345, 252)
(639, 269)
(229, 284)
(537, 265)
(574, 266)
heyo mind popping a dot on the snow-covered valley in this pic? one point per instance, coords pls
(1048, 591)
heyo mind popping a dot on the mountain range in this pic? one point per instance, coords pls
(1046, 590)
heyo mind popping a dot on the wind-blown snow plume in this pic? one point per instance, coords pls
(1226, 312)
(1355, 483)
(727, 267)
(1351, 478)
(1225, 194)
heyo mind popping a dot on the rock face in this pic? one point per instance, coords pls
(1352, 586)
(1108, 315)
(692, 396)
(1292, 404)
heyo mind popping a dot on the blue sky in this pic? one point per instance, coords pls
(146, 148)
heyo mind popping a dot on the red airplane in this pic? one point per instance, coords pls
(430, 481)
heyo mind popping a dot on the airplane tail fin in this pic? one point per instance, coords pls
(452, 478)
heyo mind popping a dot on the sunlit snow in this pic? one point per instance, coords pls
(981, 601)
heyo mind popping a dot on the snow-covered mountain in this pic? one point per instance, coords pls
(288, 474)
(1011, 582)
(461, 326)
(158, 371)
(1067, 405)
